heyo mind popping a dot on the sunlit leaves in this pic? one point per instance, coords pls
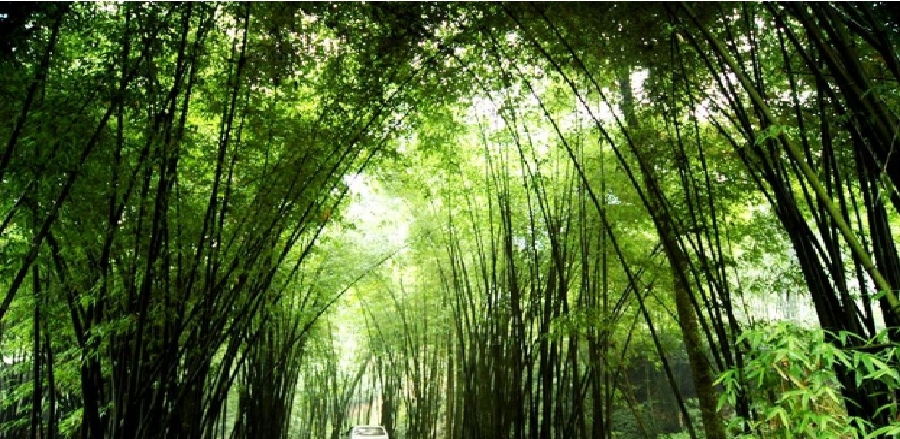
(798, 367)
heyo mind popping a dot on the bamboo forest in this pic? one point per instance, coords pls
(449, 220)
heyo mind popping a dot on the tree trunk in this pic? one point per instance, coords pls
(701, 370)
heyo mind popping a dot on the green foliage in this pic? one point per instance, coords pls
(169, 170)
(790, 374)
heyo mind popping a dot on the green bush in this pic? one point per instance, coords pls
(790, 379)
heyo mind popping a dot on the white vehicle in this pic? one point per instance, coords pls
(367, 432)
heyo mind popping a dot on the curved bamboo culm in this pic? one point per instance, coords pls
(797, 155)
